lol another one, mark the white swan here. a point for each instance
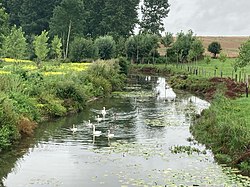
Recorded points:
(170, 95)
(89, 124)
(104, 112)
(74, 128)
(110, 135)
(98, 118)
(96, 133)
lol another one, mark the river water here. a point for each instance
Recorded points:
(152, 145)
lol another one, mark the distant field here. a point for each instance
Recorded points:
(229, 44)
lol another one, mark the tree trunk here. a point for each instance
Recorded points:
(67, 45)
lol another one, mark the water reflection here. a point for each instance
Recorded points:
(145, 125)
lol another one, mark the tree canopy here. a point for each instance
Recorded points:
(153, 12)
(214, 48)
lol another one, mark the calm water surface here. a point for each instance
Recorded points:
(146, 124)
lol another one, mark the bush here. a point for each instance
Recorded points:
(82, 49)
(8, 123)
(106, 47)
(51, 106)
(25, 106)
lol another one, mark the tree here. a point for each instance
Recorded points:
(14, 45)
(41, 46)
(111, 17)
(167, 40)
(153, 13)
(244, 55)
(196, 50)
(56, 47)
(4, 25)
(13, 8)
(68, 21)
(214, 48)
(106, 47)
(141, 46)
(32, 15)
(181, 47)
(82, 50)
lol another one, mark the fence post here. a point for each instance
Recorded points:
(247, 86)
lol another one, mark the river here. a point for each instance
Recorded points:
(152, 145)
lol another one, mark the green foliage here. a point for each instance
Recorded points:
(14, 44)
(153, 13)
(105, 76)
(111, 17)
(8, 122)
(168, 39)
(69, 13)
(182, 46)
(51, 106)
(34, 16)
(196, 50)
(82, 49)
(41, 46)
(56, 47)
(25, 106)
(4, 25)
(244, 55)
(224, 128)
(214, 48)
(141, 46)
(124, 64)
(106, 47)
(223, 57)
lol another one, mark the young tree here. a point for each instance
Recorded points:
(106, 47)
(196, 50)
(14, 45)
(244, 55)
(167, 40)
(214, 48)
(153, 12)
(141, 46)
(56, 47)
(41, 46)
(182, 46)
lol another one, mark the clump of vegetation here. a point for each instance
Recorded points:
(224, 128)
(186, 149)
(28, 97)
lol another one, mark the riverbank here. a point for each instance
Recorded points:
(29, 96)
(224, 127)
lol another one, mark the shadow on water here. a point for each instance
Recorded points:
(150, 146)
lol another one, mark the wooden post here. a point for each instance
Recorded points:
(247, 87)
(215, 72)
(221, 73)
(235, 77)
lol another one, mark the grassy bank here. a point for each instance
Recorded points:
(225, 126)
(29, 94)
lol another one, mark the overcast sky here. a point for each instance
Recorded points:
(209, 17)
